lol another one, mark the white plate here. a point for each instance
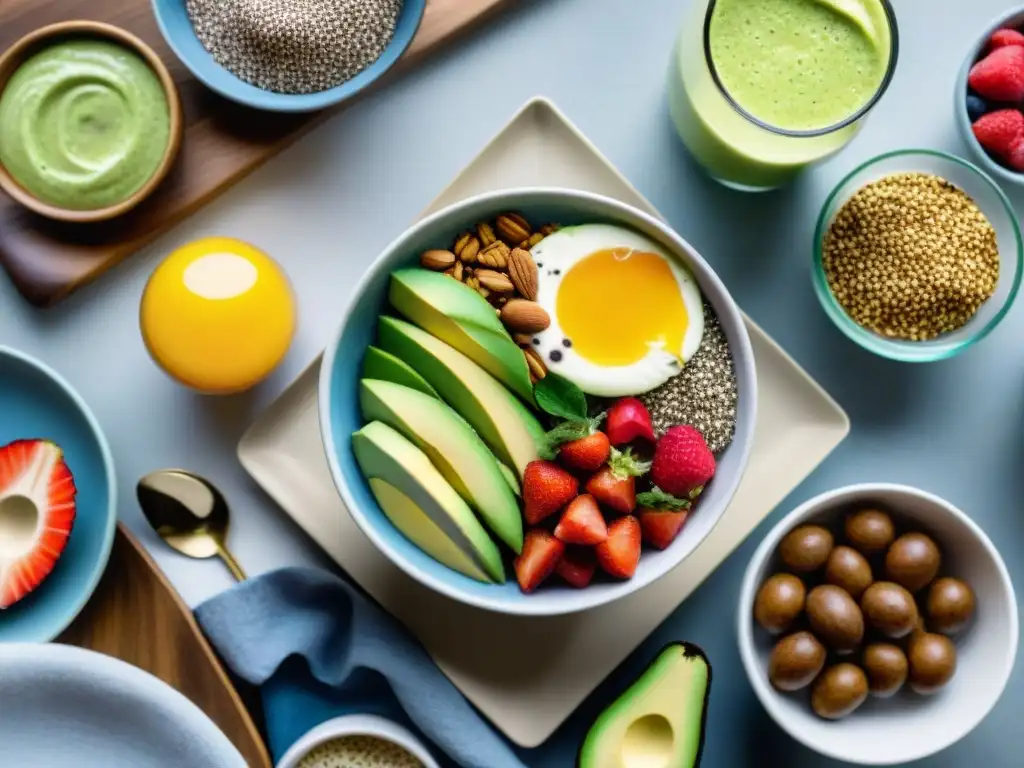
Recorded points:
(492, 658)
(65, 707)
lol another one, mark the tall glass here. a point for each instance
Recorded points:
(733, 145)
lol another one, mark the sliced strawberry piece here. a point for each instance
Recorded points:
(627, 420)
(546, 489)
(586, 454)
(660, 527)
(616, 493)
(1004, 37)
(582, 523)
(577, 566)
(37, 512)
(620, 554)
(540, 555)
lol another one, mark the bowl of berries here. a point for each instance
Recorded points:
(538, 418)
(989, 98)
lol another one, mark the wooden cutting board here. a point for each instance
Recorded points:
(223, 142)
(136, 615)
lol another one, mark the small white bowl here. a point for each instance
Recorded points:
(357, 725)
(907, 727)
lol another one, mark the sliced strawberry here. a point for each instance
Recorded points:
(37, 511)
(620, 554)
(586, 454)
(1004, 37)
(616, 493)
(627, 420)
(582, 523)
(660, 527)
(577, 566)
(546, 489)
(540, 555)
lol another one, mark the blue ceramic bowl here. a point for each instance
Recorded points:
(176, 27)
(35, 402)
(340, 417)
(1015, 19)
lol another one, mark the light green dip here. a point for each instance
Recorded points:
(83, 124)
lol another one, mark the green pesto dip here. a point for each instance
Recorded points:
(84, 124)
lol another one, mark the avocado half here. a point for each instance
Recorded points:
(659, 719)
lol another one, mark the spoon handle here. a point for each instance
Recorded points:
(231, 563)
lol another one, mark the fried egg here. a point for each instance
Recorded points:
(625, 314)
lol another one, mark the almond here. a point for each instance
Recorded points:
(437, 260)
(494, 281)
(467, 247)
(531, 241)
(534, 362)
(522, 271)
(512, 228)
(494, 255)
(523, 316)
(522, 339)
(485, 232)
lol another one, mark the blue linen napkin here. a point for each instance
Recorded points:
(318, 649)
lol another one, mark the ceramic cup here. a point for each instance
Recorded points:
(357, 725)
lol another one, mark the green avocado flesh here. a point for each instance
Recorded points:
(498, 416)
(454, 448)
(378, 364)
(461, 317)
(659, 720)
(422, 504)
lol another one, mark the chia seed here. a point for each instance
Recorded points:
(555, 356)
(703, 394)
(294, 46)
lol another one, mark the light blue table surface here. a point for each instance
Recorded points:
(327, 206)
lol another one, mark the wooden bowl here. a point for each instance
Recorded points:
(16, 55)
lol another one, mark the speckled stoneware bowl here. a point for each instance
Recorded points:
(340, 416)
(1015, 19)
(906, 727)
(357, 725)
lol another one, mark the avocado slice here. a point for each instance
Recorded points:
(510, 478)
(383, 453)
(461, 317)
(498, 416)
(453, 447)
(378, 364)
(659, 720)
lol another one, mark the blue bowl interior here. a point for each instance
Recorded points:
(339, 391)
(35, 404)
(176, 27)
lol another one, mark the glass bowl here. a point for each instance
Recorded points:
(992, 202)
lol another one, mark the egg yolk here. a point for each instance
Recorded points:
(614, 305)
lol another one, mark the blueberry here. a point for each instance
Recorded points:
(976, 107)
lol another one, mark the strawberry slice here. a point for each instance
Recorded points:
(540, 556)
(614, 486)
(577, 567)
(582, 523)
(546, 489)
(620, 554)
(628, 419)
(37, 512)
(661, 526)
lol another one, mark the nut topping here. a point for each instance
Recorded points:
(467, 247)
(523, 316)
(494, 255)
(437, 260)
(522, 271)
(512, 228)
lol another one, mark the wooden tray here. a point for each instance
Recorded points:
(135, 615)
(223, 142)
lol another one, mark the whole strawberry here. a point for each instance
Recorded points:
(546, 489)
(683, 463)
(586, 454)
(627, 420)
(1000, 75)
(1000, 131)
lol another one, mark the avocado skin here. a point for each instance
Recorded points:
(690, 650)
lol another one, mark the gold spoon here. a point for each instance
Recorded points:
(188, 513)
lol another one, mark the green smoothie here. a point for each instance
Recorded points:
(792, 65)
(83, 124)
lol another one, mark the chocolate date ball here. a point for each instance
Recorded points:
(869, 531)
(912, 561)
(889, 608)
(950, 605)
(932, 660)
(835, 618)
(795, 661)
(806, 548)
(886, 667)
(847, 568)
(839, 691)
(779, 601)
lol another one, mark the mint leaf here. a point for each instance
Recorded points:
(658, 499)
(560, 397)
(624, 464)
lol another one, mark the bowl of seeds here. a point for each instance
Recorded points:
(917, 255)
(288, 56)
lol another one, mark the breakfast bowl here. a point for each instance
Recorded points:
(375, 340)
(989, 200)
(179, 31)
(123, 104)
(903, 719)
(962, 115)
(357, 736)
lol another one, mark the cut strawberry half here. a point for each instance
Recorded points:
(37, 511)
(541, 553)
(577, 566)
(660, 527)
(582, 522)
(619, 555)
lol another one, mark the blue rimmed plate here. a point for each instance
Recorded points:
(35, 402)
